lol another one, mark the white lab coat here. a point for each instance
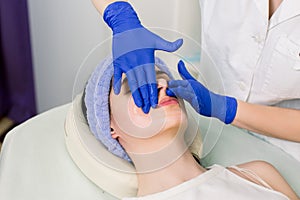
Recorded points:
(258, 60)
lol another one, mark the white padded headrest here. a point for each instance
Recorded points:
(93, 159)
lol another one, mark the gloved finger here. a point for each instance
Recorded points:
(184, 72)
(152, 85)
(180, 88)
(162, 44)
(146, 100)
(134, 88)
(178, 83)
(183, 93)
(170, 93)
(141, 77)
(153, 94)
(146, 105)
(117, 79)
(146, 108)
(187, 95)
(137, 98)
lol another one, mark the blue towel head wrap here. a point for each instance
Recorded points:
(96, 101)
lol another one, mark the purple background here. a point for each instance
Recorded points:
(17, 96)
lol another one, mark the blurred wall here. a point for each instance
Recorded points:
(63, 32)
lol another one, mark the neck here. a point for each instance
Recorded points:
(273, 5)
(182, 170)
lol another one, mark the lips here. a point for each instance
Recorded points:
(167, 101)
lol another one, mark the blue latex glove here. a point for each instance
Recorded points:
(133, 53)
(202, 100)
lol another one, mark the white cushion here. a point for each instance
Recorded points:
(35, 164)
(109, 172)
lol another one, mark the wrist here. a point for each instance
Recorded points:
(223, 107)
(231, 109)
(120, 16)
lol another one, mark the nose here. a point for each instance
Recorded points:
(162, 85)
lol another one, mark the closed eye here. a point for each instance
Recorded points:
(159, 74)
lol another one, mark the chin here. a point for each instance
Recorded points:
(176, 119)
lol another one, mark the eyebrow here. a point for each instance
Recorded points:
(125, 80)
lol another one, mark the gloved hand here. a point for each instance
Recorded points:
(133, 53)
(202, 100)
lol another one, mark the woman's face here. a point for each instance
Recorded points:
(136, 130)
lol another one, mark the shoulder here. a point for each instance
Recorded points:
(261, 168)
(259, 172)
(265, 172)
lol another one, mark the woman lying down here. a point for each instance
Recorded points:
(155, 145)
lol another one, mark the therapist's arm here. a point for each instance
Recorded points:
(102, 4)
(276, 122)
(271, 121)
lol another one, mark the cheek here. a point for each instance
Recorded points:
(137, 116)
(130, 120)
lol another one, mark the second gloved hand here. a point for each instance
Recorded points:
(133, 53)
(202, 100)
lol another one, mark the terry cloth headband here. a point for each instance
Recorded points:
(97, 105)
